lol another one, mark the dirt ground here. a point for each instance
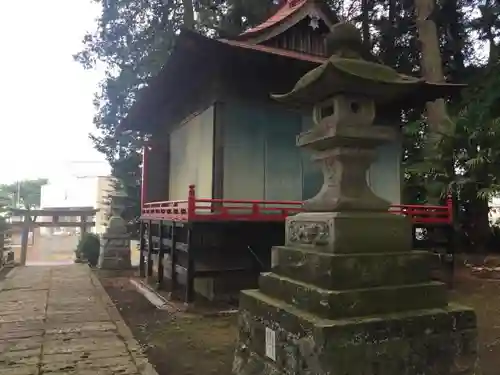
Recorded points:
(177, 343)
(180, 343)
(484, 296)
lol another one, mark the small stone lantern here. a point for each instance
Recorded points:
(115, 242)
(347, 294)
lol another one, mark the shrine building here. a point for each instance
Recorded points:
(214, 125)
(222, 170)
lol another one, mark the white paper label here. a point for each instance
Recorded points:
(274, 257)
(271, 344)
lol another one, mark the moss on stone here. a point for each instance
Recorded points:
(371, 71)
(345, 271)
(431, 341)
(353, 302)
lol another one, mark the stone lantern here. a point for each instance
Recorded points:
(347, 295)
(115, 242)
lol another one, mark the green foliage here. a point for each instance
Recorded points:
(466, 159)
(26, 193)
(88, 249)
(468, 153)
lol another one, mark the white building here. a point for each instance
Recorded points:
(79, 192)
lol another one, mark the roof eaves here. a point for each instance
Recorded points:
(285, 11)
(155, 91)
(149, 93)
(275, 51)
(285, 19)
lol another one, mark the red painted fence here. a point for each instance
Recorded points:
(197, 209)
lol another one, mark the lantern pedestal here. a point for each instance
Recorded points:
(277, 338)
(349, 232)
(115, 252)
(347, 295)
(115, 243)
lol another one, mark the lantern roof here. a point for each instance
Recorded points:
(346, 72)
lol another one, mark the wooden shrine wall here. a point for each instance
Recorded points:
(385, 175)
(191, 154)
(261, 160)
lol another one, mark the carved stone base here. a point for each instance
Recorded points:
(356, 314)
(349, 232)
(115, 252)
(347, 295)
(277, 339)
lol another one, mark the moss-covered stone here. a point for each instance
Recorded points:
(351, 232)
(352, 271)
(353, 302)
(430, 342)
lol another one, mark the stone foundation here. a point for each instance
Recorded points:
(336, 309)
(115, 252)
(424, 342)
(223, 288)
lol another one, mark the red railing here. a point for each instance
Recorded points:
(426, 214)
(199, 209)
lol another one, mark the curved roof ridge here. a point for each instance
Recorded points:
(287, 8)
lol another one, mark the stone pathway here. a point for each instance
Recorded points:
(59, 320)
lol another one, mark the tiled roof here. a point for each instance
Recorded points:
(288, 8)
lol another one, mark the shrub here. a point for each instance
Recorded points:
(88, 249)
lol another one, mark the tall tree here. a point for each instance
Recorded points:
(488, 26)
(25, 194)
(188, 14)
(432, 65)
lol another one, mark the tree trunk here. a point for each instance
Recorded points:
(387, 38)
(188, 14)
(479, 230)
(489, 17)
(365, 23)
(455, 38)
(493, 55)
(431, 61)
(432, 70)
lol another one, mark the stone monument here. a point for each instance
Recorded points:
(115, 242)
(347, 295)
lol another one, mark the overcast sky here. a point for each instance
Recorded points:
(46, 98)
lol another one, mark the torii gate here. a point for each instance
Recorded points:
(30, 216)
